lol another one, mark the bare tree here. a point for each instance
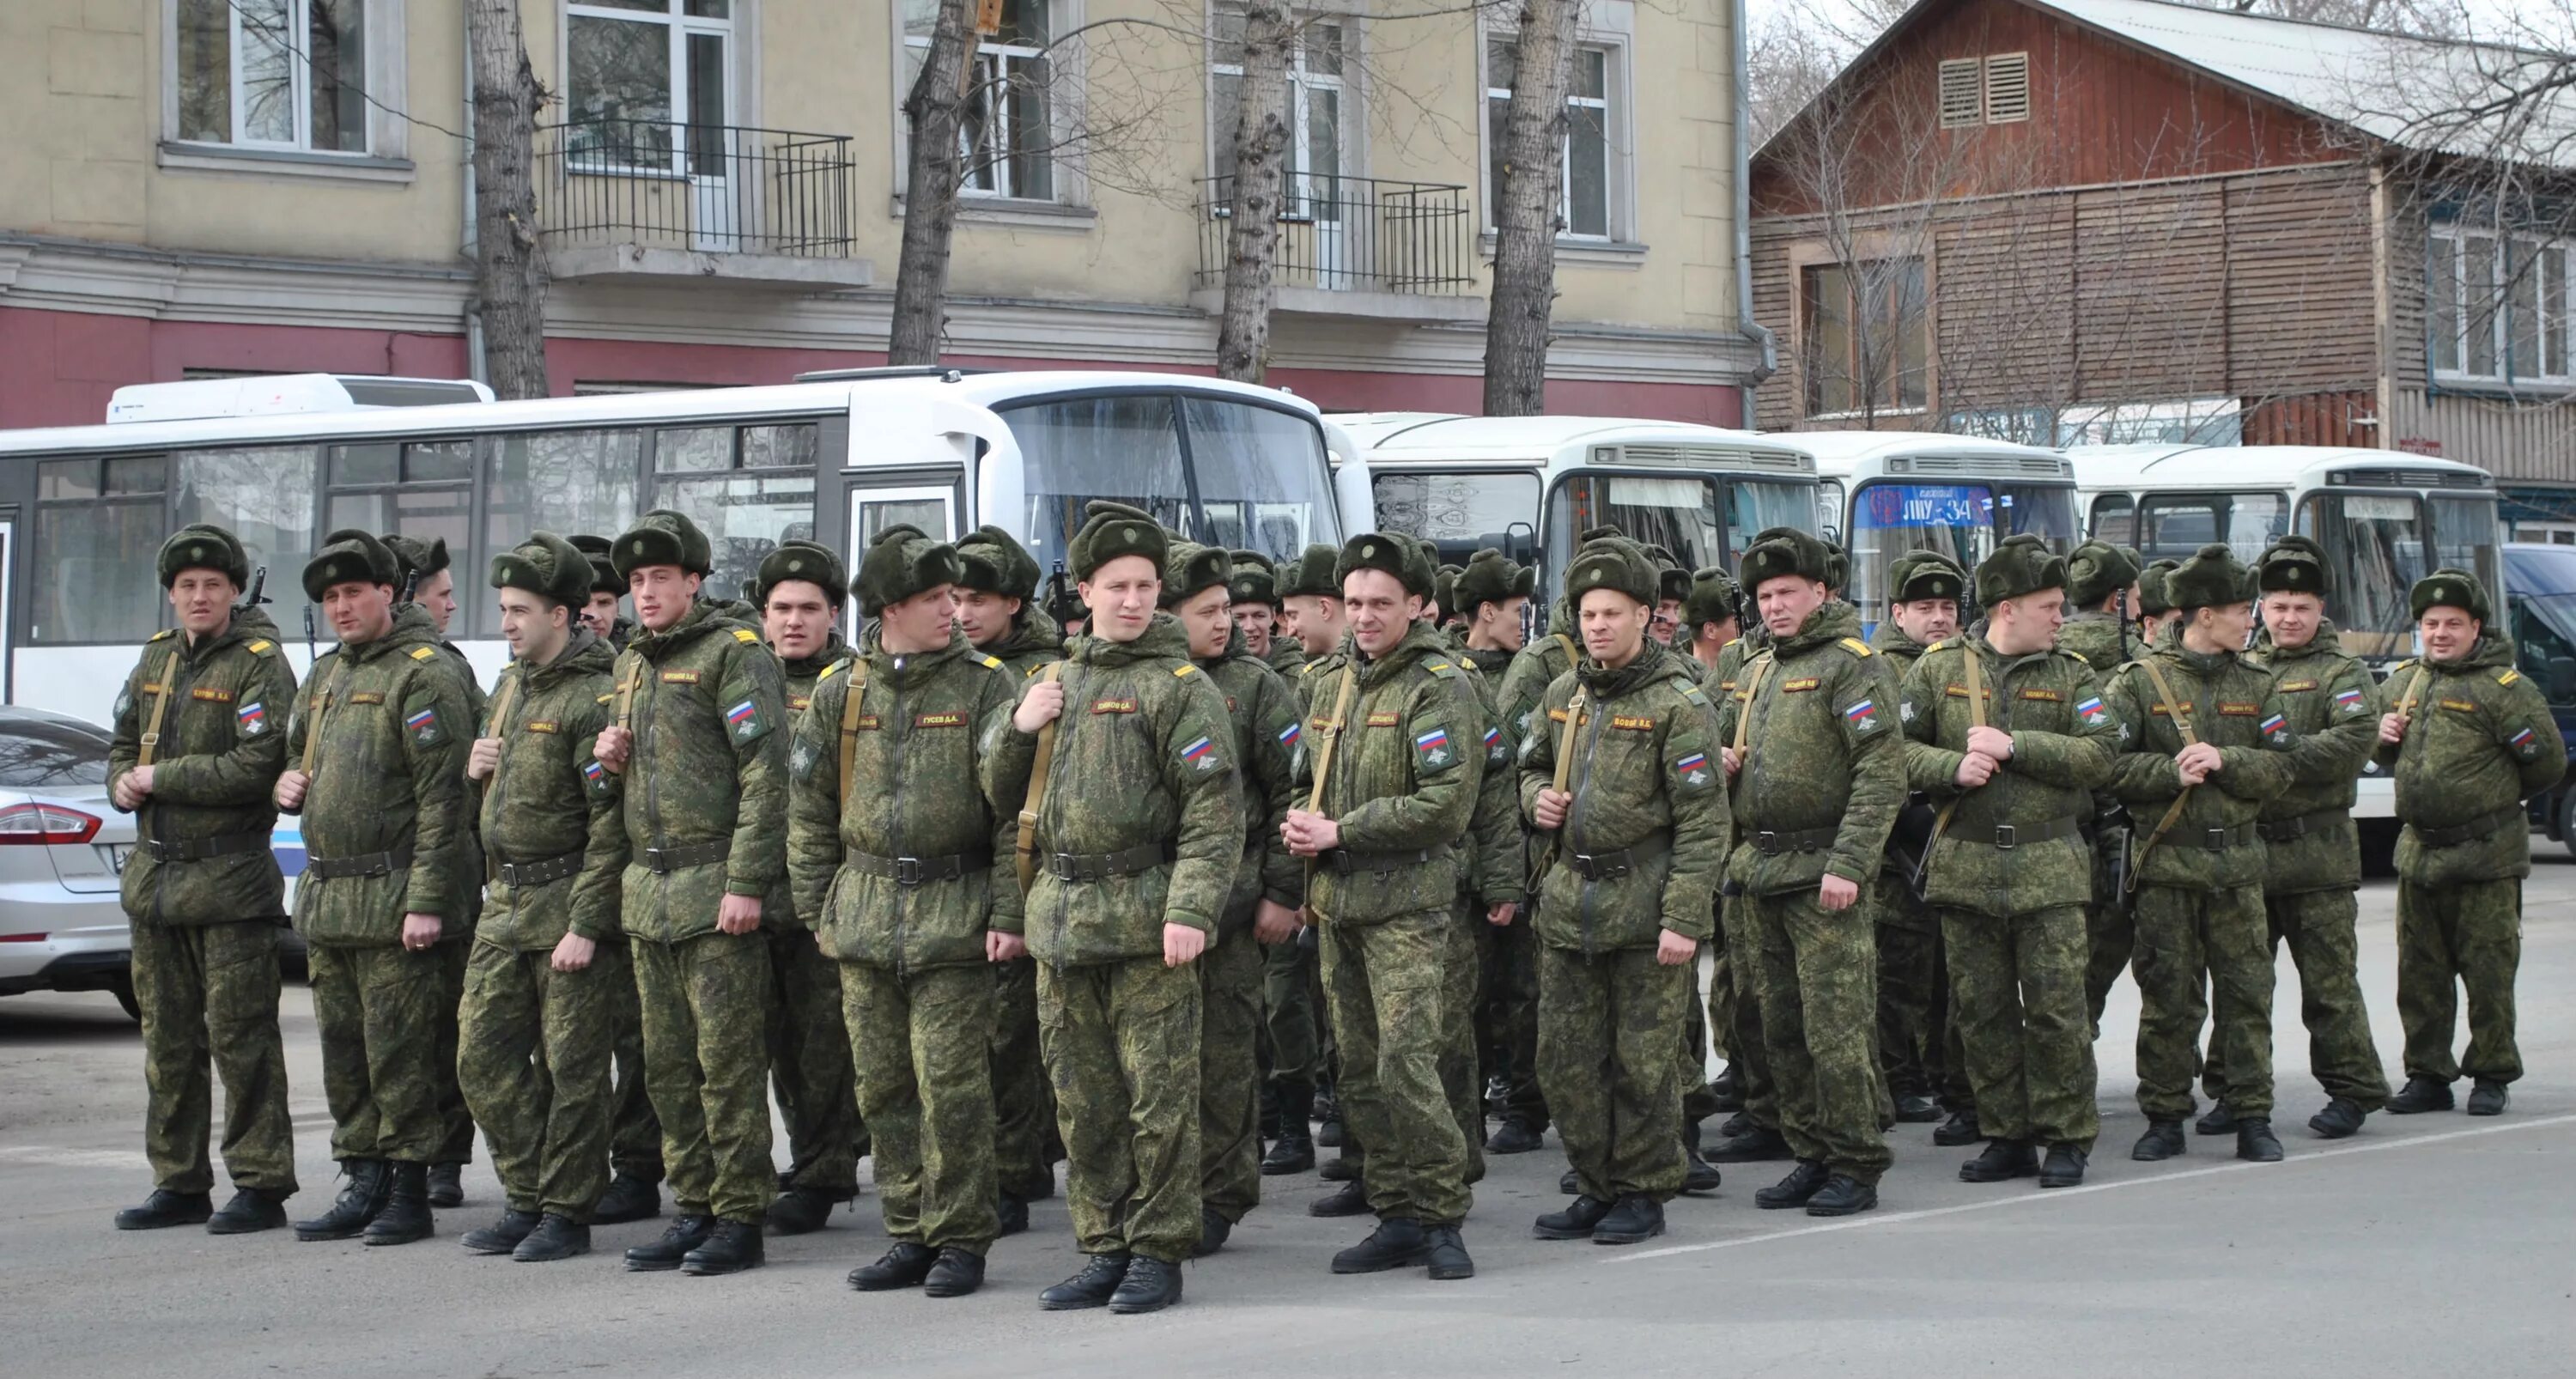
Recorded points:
(1526, 218)
(1260, 182)
(935, 169)
(510, 260)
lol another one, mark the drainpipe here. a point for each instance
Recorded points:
(477, 367)
(1745, 325)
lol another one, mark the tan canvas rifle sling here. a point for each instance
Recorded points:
(497, 726)
(1026, 858)
(1976, 719)
(1324, 752)
(1576, 712)
(850, 728)
(160, 710)
(313, 715)
(2173, 812)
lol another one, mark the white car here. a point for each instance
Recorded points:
(61, 846)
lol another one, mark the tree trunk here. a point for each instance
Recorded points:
(1260, 181)
(935, 169)
(1525, 209)
(509, 257)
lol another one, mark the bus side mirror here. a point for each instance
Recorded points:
(2560, 679)
(1520, 543)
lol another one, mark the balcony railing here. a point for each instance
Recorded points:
(722, 189)
(1352, 234)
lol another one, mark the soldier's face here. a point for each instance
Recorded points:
(1380, 609)
(202, 601)
(2292, 619)
(918, 624)
(985, 617)
(798, 619)
(1927, 620)
(662, 594)
(1668, 619)
(1255, 619)
(535, 628)
(1315, 620)
(1208, 616)
(2018, 627)
(437, 594)
(1713, 637)
(1787, 601)
(1498, 623)
(1121, 596)
(359, 611)
(601, 615)
(2222, 627)
(1614, 626)
(2448, 632)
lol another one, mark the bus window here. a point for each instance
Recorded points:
(1754, 506)
(737, 483)
(1459, 512)
(566, 482)
(1678, 514)
(2464, 536)
(424, 490)
(2115, 519)
(1262, 478)
(1124, 447)
(263, 495)
(1963, 521)
(99, 524)
(2174, 525)
(2375, 548)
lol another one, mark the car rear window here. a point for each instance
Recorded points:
(37, 754)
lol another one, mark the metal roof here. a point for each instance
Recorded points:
(2241, 468)
(1404, 435)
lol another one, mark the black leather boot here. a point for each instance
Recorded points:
(2219, 1121)
(1447, 1255)
(361, 1197)
(733, 1247)
(1013, 1213)
(1150, 1285)
(1512, 1137)
(1698, 1174)
(1328, 1130)
(2255, 1141)
(2340, 1120)
(1574, 1222)
(628, 1198)
(1914, 1108)
(1397, 1242)
(1960, 1129)
(1753, 1145)
(1092, 1287)
(2421, 1094)
(2163, 1140)
(556, 1237)
(1637, 1219)
(447, 1185)
(1293, 1149)
(1803, 1182)
(2065, 1166)
(958, 1273)
(1842, 1195)
(2487, 1097)
(1351, 1199)
(1725, 1092)
(799, 1210)
(2003, 1160)
(685, 1233)
(1214, 1231)
(502, 1236)
(167, 1208)
(406, 1215)
(1569, 1182)
(903, 1266)
(252, 1209)
(1341, 1168)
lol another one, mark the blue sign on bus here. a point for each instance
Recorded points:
(1927, 505)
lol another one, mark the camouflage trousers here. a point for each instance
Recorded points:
(1289, 1014)
(2110, 931)
(534, 1051)
(706, 1062)
(1511, 1008)
(809, 1063)
(209, 996)
(1384, 985)
(922, 1046)
(1023, 1108)
(2466, 935)
(1460, 1078)
(634, 1133)
(376, 1011)
(2019, 983)
(1122, 1052)
(1748, 1049)
(1913, 1006)
(455, 1121)
(1819, 1013)
(1605, 1051)
(2319, 928)
(2184, 938)
(1230, 980)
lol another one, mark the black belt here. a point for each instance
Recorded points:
(199, 849)
(520, 875)
(2010, 836)
(662, 861)
(2285, 830)
(1100, 866)
(919, 871)
(1345, 860)
(1777, 844)
(1610, 866)
(2215, 839)
(2471, 831)
(363, 864)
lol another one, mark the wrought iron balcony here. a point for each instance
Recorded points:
(1353, 235)
(656, 198)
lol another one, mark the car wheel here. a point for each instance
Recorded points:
(2567, 819)
(123, 987)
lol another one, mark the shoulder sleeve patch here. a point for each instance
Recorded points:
(263, 648)
(1184, 672)
(1857, 647)
(423, 653)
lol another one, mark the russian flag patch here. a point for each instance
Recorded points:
(422, 719)
(1201, 754)
(1862, 717)
(1288, 736)
(2520, 738)
(252, 717)
(2090, 710)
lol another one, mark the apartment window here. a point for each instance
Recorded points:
(1589, 198)
(1315, 94)
(1009, 135)
(1867, 337)
(2498, 307)
(272, 74)
(637, 71)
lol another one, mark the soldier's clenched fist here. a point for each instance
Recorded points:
(1043, 705)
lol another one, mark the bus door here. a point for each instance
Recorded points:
(878, 499)
(8, 601)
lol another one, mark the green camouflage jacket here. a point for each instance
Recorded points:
(2063, 744)
(1645, 780)
(2233, 708)
(620, 632)
(550, 798)
(470, 857)
(2480, 740)
(1285, 655)
(1315, 674)
(213, 772)
(1033, 641)
(915, 790)
(394, 726)
(1500, 874)
(709, 767)
(1900, 649)
(1533, 668)
(1821, 755)
(2095, 636)
(2328, 697)
(796, 678)
(1263, 712)
(1144, 757)
(1403, 780)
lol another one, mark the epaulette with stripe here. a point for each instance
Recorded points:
(1442, 669)
(1857, 647)
(263, 647)
(2508, 676)
(163, 635)
(2078, 655)
(1184, 671)
(745, 636)
(990, 662)
(423, 653)
(606, 697)
(827, 671)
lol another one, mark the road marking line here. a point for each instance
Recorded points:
(2062, 1194)
(54, 1157)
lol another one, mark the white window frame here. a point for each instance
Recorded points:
(1303, 81)
(678, 25)
(386, 95)
(2465, 299)
(1618, 122)
(1063, 90)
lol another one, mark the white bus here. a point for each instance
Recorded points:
(834, 458)
(1885, 493)
(1531, 485)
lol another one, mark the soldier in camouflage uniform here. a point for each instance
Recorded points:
(2102, 585)
(1292, 984)
(2312, 852)
(2012, 738)
(1263, 718)
(1635, 840)
(1709, 617)
(536, 1032)
(997, 607)
(799, 589)
(1534, 665)
(2156, 610)
(1494, 594)
(1913, 988)
(1398, 796)
(901, 864)
(202, 893)
(1819, 774)
(635, 1137)
(699, 741)
(1138, 833)
(2468, 738)
(377, 769)
(2195, 859)
(1253, 587)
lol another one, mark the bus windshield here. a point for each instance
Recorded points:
(1963, 521)
(2379, 544)
(1704, 520)
(1459, 511)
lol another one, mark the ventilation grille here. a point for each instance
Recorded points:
(1962, 102)
(2007, 89)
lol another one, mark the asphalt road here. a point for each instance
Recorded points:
(2428, 1245)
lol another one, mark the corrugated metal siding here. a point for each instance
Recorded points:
(2516, 443)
